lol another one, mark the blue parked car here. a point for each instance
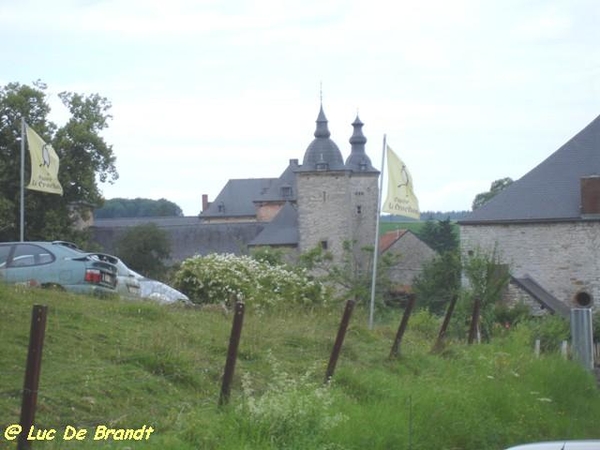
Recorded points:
(53, 264)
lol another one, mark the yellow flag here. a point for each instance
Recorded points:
(401, 199)
(44, 165)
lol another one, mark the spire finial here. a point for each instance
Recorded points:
(321, 92)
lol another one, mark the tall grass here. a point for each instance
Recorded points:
(128, 364)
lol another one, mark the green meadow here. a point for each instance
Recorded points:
(110, 364)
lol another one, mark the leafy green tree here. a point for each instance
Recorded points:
(85, 159)
(138, 207)
(439, 281)
(144, 248)
(496, 187)
(349, 277)
(269, 255)
(440, 235)
(487, 279)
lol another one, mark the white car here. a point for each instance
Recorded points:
(560, 445)
(158, 291)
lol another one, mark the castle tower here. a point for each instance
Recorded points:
(336, 201)
(364, 191)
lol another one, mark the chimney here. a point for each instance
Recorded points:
(590, 195)
(205, 203)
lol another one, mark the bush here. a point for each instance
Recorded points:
(551, 330)
(291, 411)
(225, 279)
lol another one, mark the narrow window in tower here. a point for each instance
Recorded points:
(324, 245)
(324, 196)
(358, 209)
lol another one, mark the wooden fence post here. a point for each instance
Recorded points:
(32, 373)
(403, 324)
(337, 346)
(474, 320)
(442, 334)
(234, 341)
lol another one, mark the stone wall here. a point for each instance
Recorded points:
(323, 213)
(362, 208)
(563, 257)
(334, 207)
(188, 238)
(412, 254)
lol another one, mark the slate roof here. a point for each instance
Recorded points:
(322, 150)
(285, 183)
(539, 294)
(358, 161)
(188, 236)
(282, 230)
(167, 221)
(551, 191)
(237, 197)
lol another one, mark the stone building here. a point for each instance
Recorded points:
(546, 228)
(412, 253)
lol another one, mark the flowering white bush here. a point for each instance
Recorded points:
(289, 408)
(225, 278)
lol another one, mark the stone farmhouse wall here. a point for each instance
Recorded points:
(563, 257)
(412, 255)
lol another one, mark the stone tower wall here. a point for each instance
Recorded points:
(362, 208)
(334, 207)
(322, 200)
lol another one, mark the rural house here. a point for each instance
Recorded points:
(546, 228)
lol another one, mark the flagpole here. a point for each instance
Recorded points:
(22, 215)
(376, 249)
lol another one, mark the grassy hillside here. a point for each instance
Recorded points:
(126, 364)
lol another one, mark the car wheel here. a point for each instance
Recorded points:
(53, 286)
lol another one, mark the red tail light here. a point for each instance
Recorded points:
(93, 276)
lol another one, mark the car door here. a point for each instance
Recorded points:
(5, 250)
(29, 263)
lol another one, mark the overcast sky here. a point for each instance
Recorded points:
(466, 91)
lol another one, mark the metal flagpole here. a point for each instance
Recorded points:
(376, 249)
(22, 219)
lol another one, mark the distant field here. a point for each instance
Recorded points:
(384, 227)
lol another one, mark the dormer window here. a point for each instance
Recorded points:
(221, 207)
(286, 191)
(322, 165)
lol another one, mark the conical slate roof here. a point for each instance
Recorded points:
(322, 153)
(358, 161)
(552, 190)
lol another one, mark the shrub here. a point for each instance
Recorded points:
(551, 330)
(290, 410)
(219, 278)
